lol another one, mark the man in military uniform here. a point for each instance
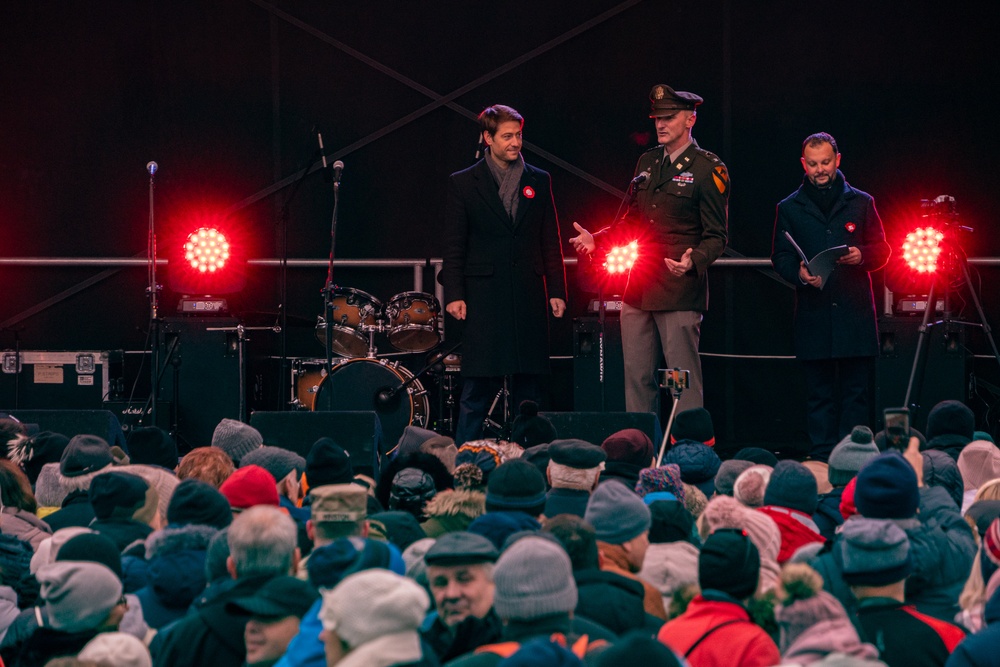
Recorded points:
(503, 270)
(679, 217)
(835, 331)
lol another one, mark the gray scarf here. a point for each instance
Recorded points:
(509, 180)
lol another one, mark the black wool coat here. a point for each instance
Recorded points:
(505, 270)
(837, 321)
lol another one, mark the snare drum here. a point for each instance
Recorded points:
(353, 310)
(413, 321)
(362, 384)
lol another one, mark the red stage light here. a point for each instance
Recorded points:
(922, 248)
(206, 250)
(621, 259)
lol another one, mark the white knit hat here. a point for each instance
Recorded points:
(373, 603)
(116, 649)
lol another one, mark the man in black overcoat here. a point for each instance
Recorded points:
(503, 270)
(835, 330)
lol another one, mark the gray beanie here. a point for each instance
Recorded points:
(617, 513)
(725, 479)
(78, 596)
(850, 455)
(534, 578)
(236, 439)
(276, 460)
(875, 552)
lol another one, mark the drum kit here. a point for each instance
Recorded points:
(362, 379)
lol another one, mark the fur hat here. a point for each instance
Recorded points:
(34, 452)
(236, 439)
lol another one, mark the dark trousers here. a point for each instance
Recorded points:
(836, 400)
(477, 397)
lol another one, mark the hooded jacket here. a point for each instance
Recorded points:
(175, 572)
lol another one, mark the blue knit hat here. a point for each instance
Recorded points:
(887, 488)
(617, 513)
(792, 486)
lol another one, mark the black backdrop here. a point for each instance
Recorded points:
(224, 95)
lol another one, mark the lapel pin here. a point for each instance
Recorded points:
(529, 192)
(850, 227)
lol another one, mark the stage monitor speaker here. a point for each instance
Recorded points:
(587, 394)
(596, 426)
(202, 376)
(102, 423)
(942, 375)
(360, 433)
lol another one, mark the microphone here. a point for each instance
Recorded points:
(151, 167)
(338, 167)
(640, 179)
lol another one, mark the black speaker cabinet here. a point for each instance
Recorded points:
(942, 374)
(357, 432)
(202, 376)
(588, 394)
(596, 426)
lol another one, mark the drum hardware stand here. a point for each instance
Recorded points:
(500, 430)
(961, 259)
(671, 381)
(388, 395)
(241, 340)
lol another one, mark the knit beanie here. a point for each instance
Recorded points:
(534, 578)
(846, 507)
(92, 548)
(729, 562)
(49, 548)
(411, 440)
(413, 559)
(249, 486)
(616, 513)
(751, 485)
(542, 651)
(197, 502)
(116, 649)
(669, 522)
(792, 486)
(78, 596)
(34, 452)
(725, 512)
(530, 428)
(328, 463)
(330, 564)
(951, 418)
(153, 446)
(850, 455)
(236, 439)
(411, 489)
(979, 462)
(443, 447)
(804, 603)
(276, 460)
(119, 495)
(629, 445)
(726, 477)
(698, 463)
(371, 604)
(665, 478)
(757, 455)
(84, 454)
(873, 552)
(694, 424)
(887, 488)
(516, 485)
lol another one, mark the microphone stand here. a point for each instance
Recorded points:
(329, 287)
(152, 291)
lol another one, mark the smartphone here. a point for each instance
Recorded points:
(897, 427)
(674, 378)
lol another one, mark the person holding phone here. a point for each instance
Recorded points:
(835, 329)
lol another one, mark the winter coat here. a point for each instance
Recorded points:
(25, 526)
(45, 644)
(614, 601)
(615, 560)
(175, 572)
(15, 564)
(123, 532)
(211, 635)
(451, 643)
(566, 501)
(626, 473)
(826, 637)
(827, 515)
(951, 444)
(903, 636)
(75, 511)
(519, 632)
(981, 649)
(8, 608)
(797, 530)
(739, 642)
(670, 567)
(941, 470)
(306, 649)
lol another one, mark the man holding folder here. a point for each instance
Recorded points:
(835, 331)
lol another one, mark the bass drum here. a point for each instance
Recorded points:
(365, 384)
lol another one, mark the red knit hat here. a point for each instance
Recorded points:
(847, 508)
(249, 486)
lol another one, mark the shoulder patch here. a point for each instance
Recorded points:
(721, 178)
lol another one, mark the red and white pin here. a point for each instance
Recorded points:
(529, 192)
(850, 227)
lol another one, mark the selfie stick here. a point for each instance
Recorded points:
(677, 389)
